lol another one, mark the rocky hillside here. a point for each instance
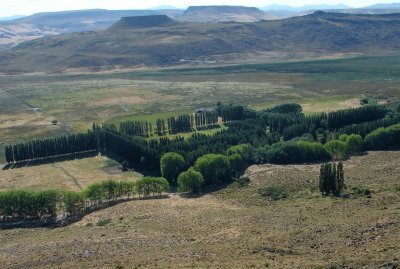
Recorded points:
(13, 32)
(127, 45)
(140, 22)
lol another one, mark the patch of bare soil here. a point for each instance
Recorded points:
(351, 103)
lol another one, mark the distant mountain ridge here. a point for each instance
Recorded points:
(383, 6)
(15, 31)
(223, 13)
(304, 8)
(167, 42)
(140, 22)
(9, 18)
(54, 23)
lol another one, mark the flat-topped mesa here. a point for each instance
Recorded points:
(143, 22)
(222, 9)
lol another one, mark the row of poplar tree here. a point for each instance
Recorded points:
(47, 205)
(182, 123)
(58, 146)
(259, 129)
(331, 179)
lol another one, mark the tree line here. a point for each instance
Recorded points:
(172, 125)
(383, 138)
(282, 134)
(279, 135)
(45, 148)
(16, 205)
(367, 127)
(340, 118)
(136, 128)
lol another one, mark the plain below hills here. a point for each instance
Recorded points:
(161, 41)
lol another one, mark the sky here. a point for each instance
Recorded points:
(28, 7)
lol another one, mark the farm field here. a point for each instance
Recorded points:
(28, 103)
(67, 175)
(235, 227)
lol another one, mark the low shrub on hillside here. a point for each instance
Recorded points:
(274, 193)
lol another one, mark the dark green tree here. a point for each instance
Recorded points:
(331, 179)
(214, 168)
(171, 165)
(354, 144)
(152, 186)
(336, 148)
(339, 178)
(190, 181)
(237, 164)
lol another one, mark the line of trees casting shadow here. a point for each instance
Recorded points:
(54, 159)
(279, 135)
(57, 208)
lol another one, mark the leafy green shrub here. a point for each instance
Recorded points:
(275, 193)
(103, 222)
(360, 191)
(354, 144)
(190, 181)
(109, 191)
(28, 204)
(237, 164)
(148, 186)
(244, 150)
(242, 182)
(214, 168)
(336, 148)
(383, 138)
(171, 165)
(297, 152)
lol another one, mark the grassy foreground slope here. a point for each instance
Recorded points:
(233, 228)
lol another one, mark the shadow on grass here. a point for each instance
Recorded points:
(61, 221)
(132, 166)
(69, 157)
(207, 190)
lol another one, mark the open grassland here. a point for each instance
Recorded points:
(234, 227)
(68, 175)
(28, 103)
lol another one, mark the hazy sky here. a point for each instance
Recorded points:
(27, 7)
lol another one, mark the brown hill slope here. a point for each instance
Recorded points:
(39, 25)
(13, 32)
(175, 43)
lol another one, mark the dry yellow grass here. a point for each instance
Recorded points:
(328, 105)
(68, 175)
(232, 228)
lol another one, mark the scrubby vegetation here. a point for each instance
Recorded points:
(279, 135)
(275, 193)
